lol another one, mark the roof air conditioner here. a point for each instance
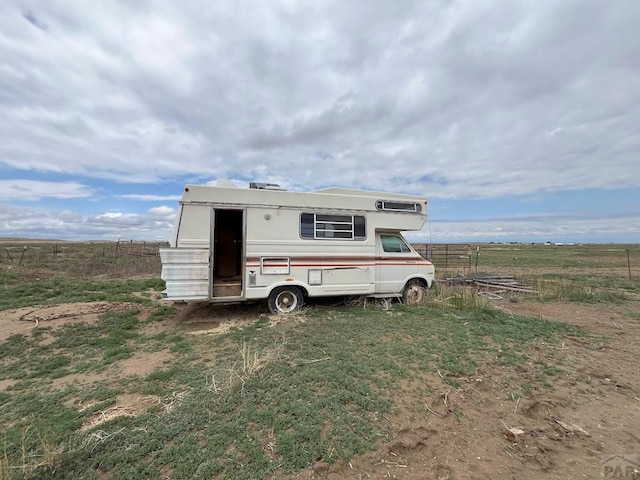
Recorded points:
(266, 186)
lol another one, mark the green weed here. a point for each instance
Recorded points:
(67, 291)
(273, 400)
(160, 313)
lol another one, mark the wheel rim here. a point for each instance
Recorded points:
(286, 302)
(415, 295)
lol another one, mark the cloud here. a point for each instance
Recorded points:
(150, 197)
(30, 17)
(157, 222)
(163, 212)
(32, 190)
(452, 99)
(541, 228)
(73, 225)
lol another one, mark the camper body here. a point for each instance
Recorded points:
(238, 244)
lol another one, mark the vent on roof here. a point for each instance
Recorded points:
(266, 186)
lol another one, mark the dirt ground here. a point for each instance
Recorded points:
(484, 429)
(590, 414)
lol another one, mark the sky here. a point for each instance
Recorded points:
(519, 120)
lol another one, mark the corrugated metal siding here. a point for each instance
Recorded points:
(186, 273)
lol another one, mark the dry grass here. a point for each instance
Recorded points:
(451, 297)
(252, 361)
(255, 360)
(36, 451)
(553, 289)
(565, 289)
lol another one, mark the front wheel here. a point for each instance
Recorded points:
(414, 293)
(285, 300)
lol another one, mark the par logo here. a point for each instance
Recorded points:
(621, 466)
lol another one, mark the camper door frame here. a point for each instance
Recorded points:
(212, 238)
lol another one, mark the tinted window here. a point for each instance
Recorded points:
(359, 227)
(306, 225)
(393, 244)
(334, 218)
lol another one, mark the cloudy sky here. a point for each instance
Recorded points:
(520, 120)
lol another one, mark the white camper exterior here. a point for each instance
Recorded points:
(238, 244)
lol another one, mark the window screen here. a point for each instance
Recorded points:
(341, 227)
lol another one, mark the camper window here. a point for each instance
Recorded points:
(341, 227)
(393, 244)
(385, 205)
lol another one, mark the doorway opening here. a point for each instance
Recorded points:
(227, 253)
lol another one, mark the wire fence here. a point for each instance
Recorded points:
(137, 248)
(447, 255)
(616, 259)
(43, 252)
(82, 259)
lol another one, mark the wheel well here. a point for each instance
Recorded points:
(302, 289)
(421, 281)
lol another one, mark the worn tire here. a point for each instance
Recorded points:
(284, 300)
(414, 293)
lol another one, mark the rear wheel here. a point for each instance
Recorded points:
(284, 300)
(414, 293)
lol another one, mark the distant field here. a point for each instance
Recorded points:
(612, 264)
(600, 256)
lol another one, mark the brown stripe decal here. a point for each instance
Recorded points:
(355, 262)
(322, 258)
(317, 258)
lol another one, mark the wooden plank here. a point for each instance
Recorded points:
(505, 287)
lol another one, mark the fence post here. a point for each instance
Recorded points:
(477, 255)
(628, 264)
(24, 249)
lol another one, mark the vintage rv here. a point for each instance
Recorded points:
(239, 244)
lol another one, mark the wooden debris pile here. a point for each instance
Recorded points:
(492, 284)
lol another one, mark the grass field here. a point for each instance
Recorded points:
(133, 390)
(583, 273)
(597, 256)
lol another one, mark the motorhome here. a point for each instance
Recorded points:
(240, 244)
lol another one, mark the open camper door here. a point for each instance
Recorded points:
(227, 253)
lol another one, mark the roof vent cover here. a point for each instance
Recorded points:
(266, 186)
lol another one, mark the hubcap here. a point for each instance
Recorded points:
(286, 302)
(415, 295)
